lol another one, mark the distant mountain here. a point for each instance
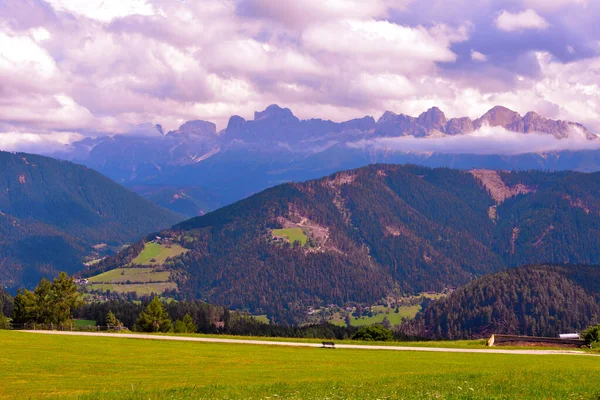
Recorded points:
(536, 300)
(276, 147)
(384, 229)
(52, 213)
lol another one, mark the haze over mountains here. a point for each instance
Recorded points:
(195, 168)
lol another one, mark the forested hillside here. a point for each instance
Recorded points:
(360, 235)
(537, 300)
(52, 213)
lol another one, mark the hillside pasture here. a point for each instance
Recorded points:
(123, 275)
(76, 367)
(157, 254)
(142, 289)
(291, 235)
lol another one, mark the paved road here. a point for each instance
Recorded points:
(300, 344)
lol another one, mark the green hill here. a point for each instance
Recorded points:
(381, 230)
(534, 300)
(52, 213)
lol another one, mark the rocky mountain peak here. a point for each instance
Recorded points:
(433, 118)
(276, 112)
(196, 128)
(498, 116)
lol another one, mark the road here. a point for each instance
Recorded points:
(314, 345)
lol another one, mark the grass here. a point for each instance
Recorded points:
(292, 235)
(395, 319)
(380, 312)
(39, 366)
(84, 322)
(142, 289)
(148, 280)
(122, 275)
(157, 252)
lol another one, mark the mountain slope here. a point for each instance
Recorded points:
(52, 212)
(533, 300)
(380, 230)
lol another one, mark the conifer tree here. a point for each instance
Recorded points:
(154, 318)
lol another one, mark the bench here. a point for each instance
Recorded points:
(328, 345)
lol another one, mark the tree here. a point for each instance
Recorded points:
(154, 318)
(386, 323)
(373, 333)
(4, 321)
(186, 325)
(592, 335)
(49, 303)
(112, 321)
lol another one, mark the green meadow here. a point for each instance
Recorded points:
(43, 366)
(155, 253)
(142, 289)
(122, 275)
(292, 235)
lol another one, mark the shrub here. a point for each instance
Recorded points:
(592, 335)
(375, 333)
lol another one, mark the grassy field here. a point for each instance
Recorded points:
(39, 366)
(157, 252)
(292, 234)
(148, 280)
(122, 275)
(380, 312)
(394, 318)
(84, 322)
(141, 289)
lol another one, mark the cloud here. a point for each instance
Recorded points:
(553, 5)
(527, 19)
(485, 141)
(107, 65)
(477, 56)
(35, 142)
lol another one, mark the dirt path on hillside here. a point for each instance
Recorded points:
(314, 345)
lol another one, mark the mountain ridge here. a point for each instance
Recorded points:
(52, 212)
(375, 230)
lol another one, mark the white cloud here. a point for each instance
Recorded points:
(380, 45)
(553, 5)
(103, 10)
(527, 19)
(477, 56)
(485, 141)
(36, 142)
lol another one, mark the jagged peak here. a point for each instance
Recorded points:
(433, 116)
(197, 127)
(274, 111)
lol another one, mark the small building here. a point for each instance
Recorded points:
(569, 336)
(534, 341)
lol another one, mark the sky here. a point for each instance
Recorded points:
(73, 68)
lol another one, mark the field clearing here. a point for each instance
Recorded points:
(394, 318)
(157, 252)
(122, 275)
(141, 289)
(84, 322)
(107, 368)
(292, 235)
(408, 312)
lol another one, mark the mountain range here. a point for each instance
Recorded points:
(55, 213)
(196, 169)
(361, 235)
